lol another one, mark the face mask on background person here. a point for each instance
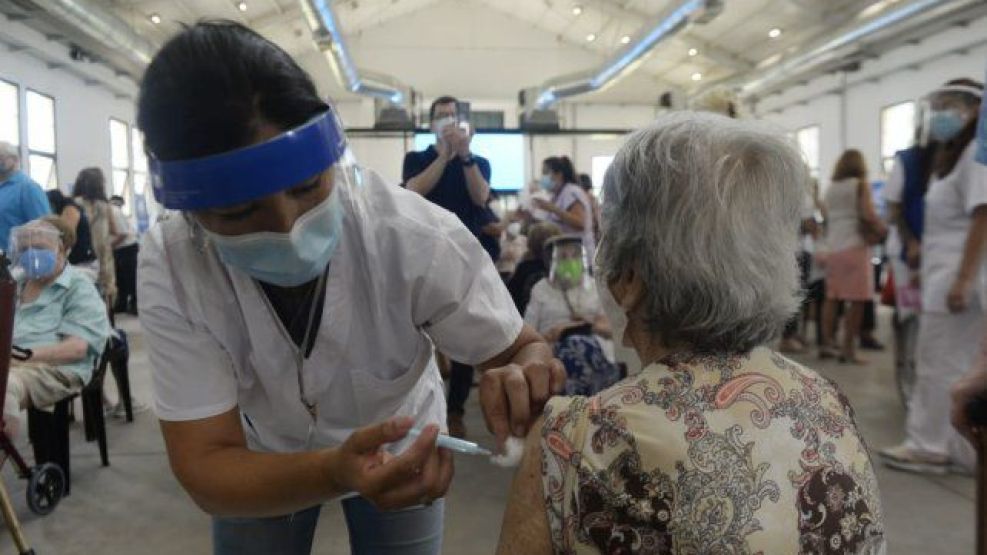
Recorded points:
(38, 263)
(286, 259)
(569, 272)
(944, 125)
(546, 183)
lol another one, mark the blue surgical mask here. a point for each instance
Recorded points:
(286, 259)
(546, 183)
(38, 263)
(946, 124)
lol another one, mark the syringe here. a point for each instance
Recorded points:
(454, 444)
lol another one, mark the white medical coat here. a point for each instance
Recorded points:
(949, 205)
(406, 274)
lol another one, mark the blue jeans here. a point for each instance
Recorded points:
(415, 531)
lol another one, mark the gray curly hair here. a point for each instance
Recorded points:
(706, 210)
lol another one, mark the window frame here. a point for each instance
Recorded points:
(26, 139)
(127, 168)
(814, 171)
(887, 161)
(19, 119)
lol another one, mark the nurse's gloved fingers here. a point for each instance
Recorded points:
(408, 465)
(539, 383)
(493, 401)
(558, 376)
(437, 474)
(410, 484)
(446, 471)
(369, 439)
(519, 397)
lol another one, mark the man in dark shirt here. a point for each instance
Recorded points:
(451, 176)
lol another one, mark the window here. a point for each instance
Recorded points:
(139, 169)
(10, 129)
(598, 169)
(808, 141)
(120, 157)
(897, 131)
(41, 161)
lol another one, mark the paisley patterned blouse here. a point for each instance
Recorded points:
(710, 454)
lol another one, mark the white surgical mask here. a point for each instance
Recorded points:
(286, 259)
(615, 313)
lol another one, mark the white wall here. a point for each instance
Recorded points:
(849, 117)
(82, 112)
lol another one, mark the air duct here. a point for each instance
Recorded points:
(103, 27)
(329, 37)
(844, 44)
(627, 59)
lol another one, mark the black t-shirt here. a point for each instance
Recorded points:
(490, 243)
(292, 305)
(451, 192)
(526, 275)
(83, 251)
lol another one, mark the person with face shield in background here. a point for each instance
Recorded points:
(290, 304)
(565, 308)
(951, 324)
(60, 325)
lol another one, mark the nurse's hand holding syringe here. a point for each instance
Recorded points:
(418, 476)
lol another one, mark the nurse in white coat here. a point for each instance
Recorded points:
(952, 322)
(290, 306)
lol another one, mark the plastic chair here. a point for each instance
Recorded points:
(49, 431)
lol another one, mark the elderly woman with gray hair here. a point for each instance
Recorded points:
(719, 444)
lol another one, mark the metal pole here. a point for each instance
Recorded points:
(14, 525)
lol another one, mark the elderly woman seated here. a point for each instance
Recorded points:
(60, 326)
(719, 445)
(565, 309)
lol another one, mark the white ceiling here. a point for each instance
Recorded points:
(490, 49)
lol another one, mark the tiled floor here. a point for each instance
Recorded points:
(136, 506)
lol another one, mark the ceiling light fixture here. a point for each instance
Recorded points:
(242, 6)
(693, 52)
(774, 33)
(155, 18)
(577, 9)
(697, 76)
(590, 37)
(625, 39)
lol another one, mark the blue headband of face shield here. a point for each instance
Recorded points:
(252, 172)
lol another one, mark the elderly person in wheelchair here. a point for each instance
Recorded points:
(719, 444)
(60, 326)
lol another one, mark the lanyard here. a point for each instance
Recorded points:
(299, 352)
(310, 406)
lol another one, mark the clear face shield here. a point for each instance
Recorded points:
(34, 250)
(239, 177)
(945, 112)
(569, 267)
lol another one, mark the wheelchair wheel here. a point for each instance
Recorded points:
(45, 488)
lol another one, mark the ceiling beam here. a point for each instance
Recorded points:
(581, 45)
(717, 54)
(385, 15)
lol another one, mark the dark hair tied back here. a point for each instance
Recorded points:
(209, 87)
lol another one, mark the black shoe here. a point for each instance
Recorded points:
(871, 344)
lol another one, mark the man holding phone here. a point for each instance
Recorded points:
(451, 176)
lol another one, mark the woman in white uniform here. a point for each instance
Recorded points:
(291, 306)
(952, 320)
